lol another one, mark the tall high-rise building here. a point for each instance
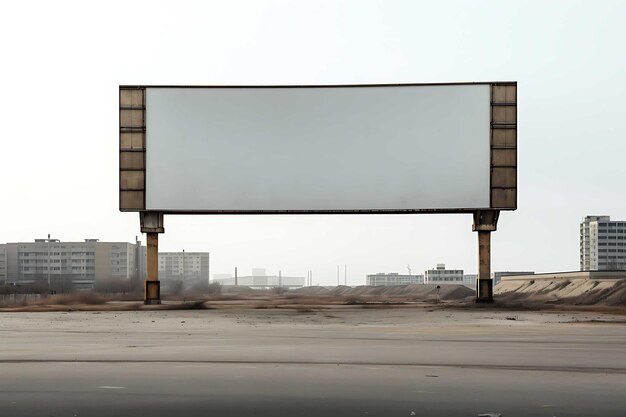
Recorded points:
(602, 244)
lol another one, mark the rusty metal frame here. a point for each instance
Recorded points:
(496, 203)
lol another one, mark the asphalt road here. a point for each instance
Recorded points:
(397, 362)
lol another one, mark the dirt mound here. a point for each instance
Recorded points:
(414, 292)
(585, 292)
(618, 295)
(312, 291)
(456, 292)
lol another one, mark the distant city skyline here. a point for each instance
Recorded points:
(59, 118)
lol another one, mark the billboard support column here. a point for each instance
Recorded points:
(485, 222)
(152, 225)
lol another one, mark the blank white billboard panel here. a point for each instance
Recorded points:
(317, 149)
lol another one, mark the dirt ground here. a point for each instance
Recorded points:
(608, 297)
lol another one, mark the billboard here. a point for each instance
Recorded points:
(318, 149)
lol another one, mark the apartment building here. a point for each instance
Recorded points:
(66, 266)
(184, 269)
(602, 244)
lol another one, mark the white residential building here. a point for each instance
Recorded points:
(602, 244)
(393, 278)
(186, 268)
(441, 275)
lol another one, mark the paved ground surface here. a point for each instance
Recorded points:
(335, 362)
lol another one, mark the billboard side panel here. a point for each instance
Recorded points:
(504, 146)
(382, 148)
(132, 163)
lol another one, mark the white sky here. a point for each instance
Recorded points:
(61, 64)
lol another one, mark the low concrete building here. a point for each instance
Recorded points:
(441, 275)
(393, 278)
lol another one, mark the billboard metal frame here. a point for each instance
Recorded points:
(503, 153)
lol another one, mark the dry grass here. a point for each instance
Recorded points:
(360, 297)
(73, 299)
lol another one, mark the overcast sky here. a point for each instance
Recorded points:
(62, 62)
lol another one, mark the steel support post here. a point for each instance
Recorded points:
(485, 222)
(152, 225)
